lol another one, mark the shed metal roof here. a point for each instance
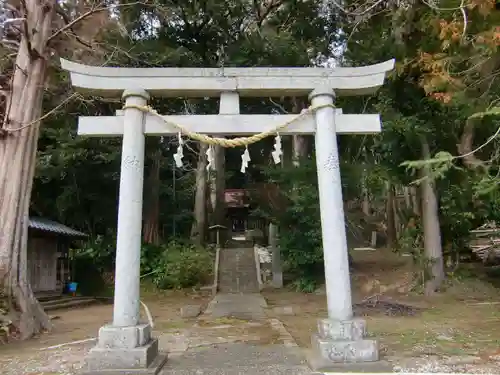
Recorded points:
(47, 225)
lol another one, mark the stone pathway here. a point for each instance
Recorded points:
(239, 306)
(234, 337)
(238, 359)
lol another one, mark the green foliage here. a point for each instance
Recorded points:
(299, 223)
(177, 265)
(100, 249)
(306, 283)
(457, 219)
(300, 238)
(411, 242)
(492, 112)
(436, 167)
(173, 265)
(91, 262)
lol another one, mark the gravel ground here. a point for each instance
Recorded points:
(455, 364)
(69, 360)
(64, 361)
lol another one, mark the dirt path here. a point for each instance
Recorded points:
(184, 338)
(28, 358)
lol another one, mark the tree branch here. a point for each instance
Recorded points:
(11, 44)
(465, 146)
(98, 9)
(25, 28)
(66, 19)
(70, 25)
(264, 12)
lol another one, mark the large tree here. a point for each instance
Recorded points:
(17, 158)
(34, 29)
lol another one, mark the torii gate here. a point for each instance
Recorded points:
(127, 344)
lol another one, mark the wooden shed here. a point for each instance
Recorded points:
(48, 255)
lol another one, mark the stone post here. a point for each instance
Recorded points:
(276, 256)
(126, 346)
(338, 283)
(128, 243)
(340, 338)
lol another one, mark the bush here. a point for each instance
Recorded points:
(177, 265)
(298, 216)
(174, 265)
(93, 260)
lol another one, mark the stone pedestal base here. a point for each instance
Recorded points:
(124, 350)
(321, 367)
(340, 343)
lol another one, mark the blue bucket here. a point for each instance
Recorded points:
(72, 287)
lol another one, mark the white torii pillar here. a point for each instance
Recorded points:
(340, 337)
(128, 244)
(128, 344)
(337, 280)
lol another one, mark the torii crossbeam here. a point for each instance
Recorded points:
(221, 125)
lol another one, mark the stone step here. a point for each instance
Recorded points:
(235, 287)
(225, 288)
(77, 302)
(61, 299)
(240, 280)
(237, 272)
(47, 296)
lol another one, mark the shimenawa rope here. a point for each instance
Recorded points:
(224, 142)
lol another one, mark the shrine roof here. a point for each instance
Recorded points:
(46, 225)
(236, 198)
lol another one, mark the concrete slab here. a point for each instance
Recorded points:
(237, 359)
(153, 369)
(318, 364)
(239, 306)
(173, 343)
(110, 358)
(379, 367)
(190, 311)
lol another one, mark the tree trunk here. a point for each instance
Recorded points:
(217, 186)
(391, 220)
(415, 201)
(365, 204)
(276, 265)
(432, 232)
(396, 207)
(406, 192)
(199, 229)
(17, 166)
(299, 142)
(287, 147)
(151, 232)
(465, 146)
(299, 145)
